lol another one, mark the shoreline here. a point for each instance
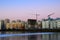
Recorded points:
(34, 30)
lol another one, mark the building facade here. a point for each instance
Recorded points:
(49, 23)
(58, 23)
(0, 24)
(45, 24)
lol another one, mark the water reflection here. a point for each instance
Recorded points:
(55, 36)
(2, 32)
(32, 37)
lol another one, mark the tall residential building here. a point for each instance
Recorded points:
(39, 24)
(13, 24)
(8, 26)
(57, 22)
(32, 23)
(2, 25)
(21, 24)
(49, 23)
(18, 20)
(45, 24)
(7, 20)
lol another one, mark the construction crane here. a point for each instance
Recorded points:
(36, 15)
(50, 15)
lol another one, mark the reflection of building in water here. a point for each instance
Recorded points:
(39, 37)
(45, 37)
(4, 38)
(50, 37)
(54, 36)
(32, 37)
(35, 37)
(14, 38)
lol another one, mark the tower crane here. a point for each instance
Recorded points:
(36, 15)
(50, 15)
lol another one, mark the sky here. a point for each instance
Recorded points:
(26, 9)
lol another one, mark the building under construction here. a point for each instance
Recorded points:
(32, 23)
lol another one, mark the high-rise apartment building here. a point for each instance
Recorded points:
(2, 25)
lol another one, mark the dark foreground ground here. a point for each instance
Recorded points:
(34, 30)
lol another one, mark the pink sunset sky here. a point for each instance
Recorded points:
(26, 9)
